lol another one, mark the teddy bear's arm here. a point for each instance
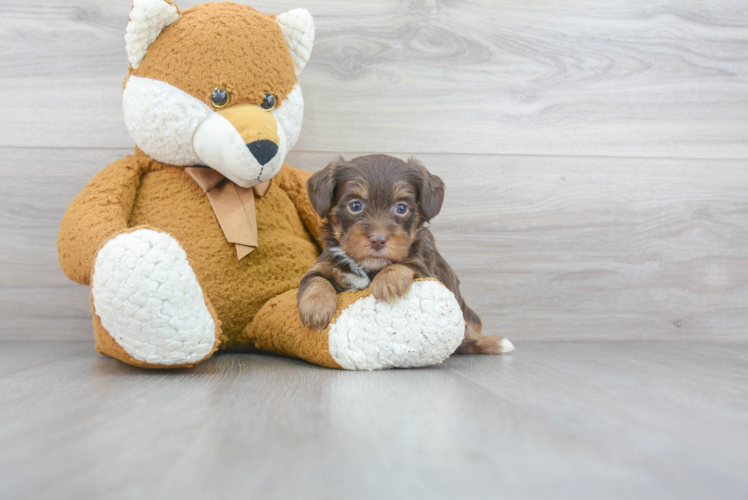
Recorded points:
(293, 182)
(99, 212)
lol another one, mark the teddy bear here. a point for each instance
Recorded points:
(198, 240)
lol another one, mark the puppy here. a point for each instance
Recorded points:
(374, 211)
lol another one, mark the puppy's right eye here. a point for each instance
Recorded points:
(355, 206)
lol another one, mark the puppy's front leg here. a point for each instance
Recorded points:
(317, 301)
(392, 282)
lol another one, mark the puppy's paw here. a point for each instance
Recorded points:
(317, 303)
(392, 283)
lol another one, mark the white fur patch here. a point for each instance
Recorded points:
(344, 258)
(297, 26)
(423, 328)
(148, 299)
(290, 115)
(147, 19)
(359, 278)
(219, 146)
(162, 120)
(357, 281)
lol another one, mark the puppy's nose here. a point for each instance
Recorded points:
(378, 241)
(263, 150)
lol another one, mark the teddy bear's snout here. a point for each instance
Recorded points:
(263, 150)
(245, 143)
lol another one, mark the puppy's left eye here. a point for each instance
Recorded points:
(401, 209)
(356, 206)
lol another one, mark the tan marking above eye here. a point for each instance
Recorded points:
(360, 191)
(402, 192)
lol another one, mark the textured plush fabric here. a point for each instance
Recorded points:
(169, 200)
(107, 346)
(147, 19)
(366, 334)
(101, 211)
(146, 295)
(243, 52)
(298, 28)
(237, 288)
(162, 120)
(417, 330)
(277, 328)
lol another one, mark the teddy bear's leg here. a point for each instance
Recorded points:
(149, 309)
(423, 328)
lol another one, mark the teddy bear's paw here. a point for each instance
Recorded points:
(421, 329)
(148, 299)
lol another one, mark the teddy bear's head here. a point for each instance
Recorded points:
(216, 85)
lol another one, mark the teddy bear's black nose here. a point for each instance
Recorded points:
(263, 150)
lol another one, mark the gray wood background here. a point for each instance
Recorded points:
(595, 152)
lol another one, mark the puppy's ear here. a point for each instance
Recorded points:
(430, 190)
(321, 187)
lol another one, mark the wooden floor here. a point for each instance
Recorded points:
(660, 420)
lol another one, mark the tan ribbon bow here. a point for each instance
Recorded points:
(233, 205)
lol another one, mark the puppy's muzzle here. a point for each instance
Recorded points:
(378, 241)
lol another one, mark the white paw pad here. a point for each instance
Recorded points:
(148, 299)
(423, 328)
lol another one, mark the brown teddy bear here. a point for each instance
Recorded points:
(198, 240)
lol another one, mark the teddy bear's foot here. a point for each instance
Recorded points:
(147, 299)
(423, 328)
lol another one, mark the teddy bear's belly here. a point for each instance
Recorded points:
(170, 201)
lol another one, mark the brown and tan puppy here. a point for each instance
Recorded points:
(374, 211)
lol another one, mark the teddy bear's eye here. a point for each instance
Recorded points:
(219, 98)
(268, 102)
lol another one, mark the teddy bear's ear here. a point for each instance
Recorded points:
(298, 28)
(147, 19)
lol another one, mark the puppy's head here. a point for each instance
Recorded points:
(374, 205)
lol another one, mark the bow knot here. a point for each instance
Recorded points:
(233, 205)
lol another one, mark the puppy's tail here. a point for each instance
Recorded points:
(489, 344)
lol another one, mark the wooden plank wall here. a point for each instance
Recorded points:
(595, 152)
